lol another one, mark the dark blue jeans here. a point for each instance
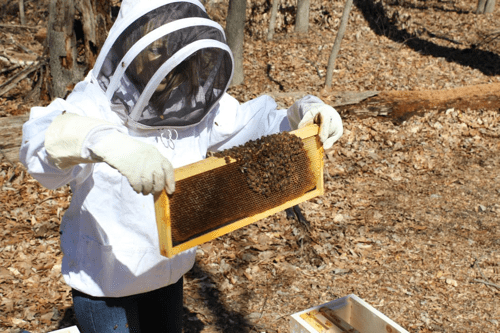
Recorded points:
(155, 311)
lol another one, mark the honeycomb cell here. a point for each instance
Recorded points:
(267, 173)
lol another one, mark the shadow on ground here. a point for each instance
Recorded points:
(433, 6)
(224, 319)
(485, 61)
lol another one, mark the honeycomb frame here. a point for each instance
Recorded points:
(169, 248)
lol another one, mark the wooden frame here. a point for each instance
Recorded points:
(315, 152)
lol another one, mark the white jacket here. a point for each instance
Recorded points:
(109, 235)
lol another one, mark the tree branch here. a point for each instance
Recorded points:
(338, 40)
(488, 283)
(15, 79)
(17, 26)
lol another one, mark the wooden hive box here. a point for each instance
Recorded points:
(347, 314)
(212, 198)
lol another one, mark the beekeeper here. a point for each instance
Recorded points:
(155, 100)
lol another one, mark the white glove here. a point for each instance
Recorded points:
(303, 112)
(73, 139)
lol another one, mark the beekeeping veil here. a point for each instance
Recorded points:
(165, 62)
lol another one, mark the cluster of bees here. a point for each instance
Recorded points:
(271, 164)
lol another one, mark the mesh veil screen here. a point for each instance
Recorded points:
(213, 199)
(189, 89)
(198, 83)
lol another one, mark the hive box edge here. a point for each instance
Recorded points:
(299, 325)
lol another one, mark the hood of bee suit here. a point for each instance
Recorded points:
(164, 63)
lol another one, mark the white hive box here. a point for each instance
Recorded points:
(346, 314)
(72, 329)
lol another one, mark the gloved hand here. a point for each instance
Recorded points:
(331, 128)
(73, 139)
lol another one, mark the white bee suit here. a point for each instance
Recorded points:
(109, 236)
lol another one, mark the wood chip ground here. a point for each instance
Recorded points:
(410, 218)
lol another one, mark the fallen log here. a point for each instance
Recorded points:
(18, 26)
(400, 105)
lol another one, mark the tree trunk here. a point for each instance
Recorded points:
(235, 32)
(480, 6)
(338, 40)
(75, 33)
(490, 6)
(485, 6)
(22, 17)
(96, 22)
(272, 20)
(302, 20)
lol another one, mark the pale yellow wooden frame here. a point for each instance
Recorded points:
(162, 208)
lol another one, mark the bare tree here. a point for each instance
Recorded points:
(485, 6)
(272, 21)
(338, 40)
(235, 32)
(302, 19)
(75, 33)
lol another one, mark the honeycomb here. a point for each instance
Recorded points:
(267, 172)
